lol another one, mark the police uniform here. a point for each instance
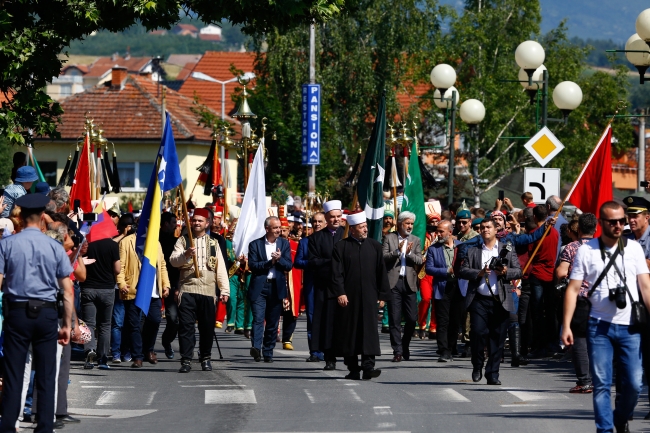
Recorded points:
(31, 263)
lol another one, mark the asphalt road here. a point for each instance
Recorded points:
(290, 395)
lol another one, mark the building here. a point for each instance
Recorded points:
(210, 33)
(128, 108)
(185, 30)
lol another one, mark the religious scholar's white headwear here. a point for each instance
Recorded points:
(356, 218)
(332, 205)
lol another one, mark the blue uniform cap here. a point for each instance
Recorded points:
(33, 201)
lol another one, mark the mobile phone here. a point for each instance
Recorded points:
(502, 195)
(76, 205)
(644, 183)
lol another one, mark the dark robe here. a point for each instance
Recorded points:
(359, 272)
(321, 245)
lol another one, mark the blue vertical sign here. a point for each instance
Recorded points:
(310, 124)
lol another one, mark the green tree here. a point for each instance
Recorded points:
(34, 32)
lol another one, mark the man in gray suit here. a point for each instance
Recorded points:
(403, 257)
(489, 268)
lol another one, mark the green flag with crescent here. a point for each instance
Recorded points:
(414, 195)
(371, 179)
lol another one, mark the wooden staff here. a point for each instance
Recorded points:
(354, 206)
(189, 230)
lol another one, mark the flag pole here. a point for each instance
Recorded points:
(621, 104)
(189, 229)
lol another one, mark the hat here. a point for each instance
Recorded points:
(389, 213)
(218, 210)
(356, 218)
(331, 205)
(202, 212)
(636, 205)
(42, 188)
(432, 217)
(477, 221)
(497, 213)
(289, 218)
(26, 174)
(464, 214)
(284, 222)
(33, 201)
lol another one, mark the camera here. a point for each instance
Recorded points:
(562, 285)
(502, 260)
(617, 295)
(644, 183)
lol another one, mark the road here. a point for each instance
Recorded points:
(290, 395)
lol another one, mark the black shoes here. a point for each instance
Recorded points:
(329, 365)
(206, 365)
(421, 334)
(445, 357)
(239, 331)
(186, 366)
(255, 353)
(494, 382)
(313, 358)
(406, 353)
(625, 428)
(90, 360)
(67, 419)
(397, 358)
(169, 352)
(58, 424)
(247, 333)
(229, 329)
(268, 359)
(353, 375)
(477, 375)
(385, 330)
(371, 374)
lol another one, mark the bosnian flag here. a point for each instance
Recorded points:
(165, 176)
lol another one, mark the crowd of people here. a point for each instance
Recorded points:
(478, 279)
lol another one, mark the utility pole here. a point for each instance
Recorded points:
(311, 170)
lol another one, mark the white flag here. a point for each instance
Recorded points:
(253, 210)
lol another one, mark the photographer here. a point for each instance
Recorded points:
(489, 301)
(610, 265)
(586, 228)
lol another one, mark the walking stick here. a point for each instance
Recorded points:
(189, 230)
(216, 340)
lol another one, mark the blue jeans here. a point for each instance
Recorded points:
(117, 323)
(606, 342)
(267, 307)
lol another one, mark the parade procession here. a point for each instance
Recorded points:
(320, 234)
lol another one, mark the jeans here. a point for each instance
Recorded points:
(117, 324)
(132, 317)
(97, 311)
(151, 325)
(267, 307)
(608, 342)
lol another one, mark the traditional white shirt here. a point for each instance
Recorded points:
(270, 249)
(486, 256)
(402, 255)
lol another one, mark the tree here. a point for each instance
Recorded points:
(34, 32)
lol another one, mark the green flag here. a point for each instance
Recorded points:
(371, 179)
(414, 195)
(41, 178)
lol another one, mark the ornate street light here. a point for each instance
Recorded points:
(643, 26)
(637, 53)
(567, 96)
(529, 56)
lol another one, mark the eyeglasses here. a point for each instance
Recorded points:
(461, 222)
(613, 222)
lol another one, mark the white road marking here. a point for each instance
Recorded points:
(150, 398)
(455, 396)
(212, 386)
(200, 380)
(107, 386)
(351, 384)
(354, 395)
(310, 396)
(522, 406)
(382, 410)
(109, 413)
(114, 397)
(386, 424)
(538, 396)
(230, 396)
(93, 381)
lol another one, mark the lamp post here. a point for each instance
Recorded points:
(472, 112)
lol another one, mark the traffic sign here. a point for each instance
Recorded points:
(542, 183)
(544, 146)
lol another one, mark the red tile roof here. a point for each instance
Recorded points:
(186, 71)
(84, 69)
(104, 64)
(216, 64)
(132, 113)
(206, 37)
(406, 99)
(189, 27)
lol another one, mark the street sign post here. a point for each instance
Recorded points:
(544, 146)
(311, 124)
(542, 183)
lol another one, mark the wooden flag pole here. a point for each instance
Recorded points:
(189, 230)
(355, 198)
(573, 187)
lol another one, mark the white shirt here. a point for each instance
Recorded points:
(486, 256)
(270, 248)
(587, 266)
(402, 255)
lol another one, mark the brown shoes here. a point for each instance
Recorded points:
(137, 363)
(152, 358)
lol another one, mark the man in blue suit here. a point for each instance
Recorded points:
(269, 257)
(301, 262)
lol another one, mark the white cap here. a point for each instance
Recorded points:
(309, 225)
(290, 218)
(356, 218)
(332, 205)
(344, 216)
(289, 201)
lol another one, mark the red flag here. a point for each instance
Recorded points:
(81, 184)
(594, 185)
(130, 207)
(103, 228)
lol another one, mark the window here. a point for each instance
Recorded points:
(66, 89)
(48, 168)
(134, 176)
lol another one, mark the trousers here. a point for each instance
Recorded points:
(267, 307)
(426, 303)
(171, 321)
(352, 362)
(191, 309)
(19, 332)
(97, 312)
(488, 328)
(402, 301)
(151, 325)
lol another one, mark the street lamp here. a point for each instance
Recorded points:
(529, 56)
(638, 54)
(205, 77)
(472, 112)
(643, 26)
(567, 96)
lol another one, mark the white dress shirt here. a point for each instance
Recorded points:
(402, 255)
(270, 249)
(486, 256)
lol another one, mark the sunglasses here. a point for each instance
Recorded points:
(613, 222)
(461, 222)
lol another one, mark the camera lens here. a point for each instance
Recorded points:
(621, 303)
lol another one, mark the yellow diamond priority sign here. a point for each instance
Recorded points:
(544, 146)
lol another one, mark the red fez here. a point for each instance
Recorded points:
(284, 222)
(202, 212)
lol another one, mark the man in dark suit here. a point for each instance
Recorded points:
(269, 257)
(446, 293)
(402, 255)
(489, 299)
(321, 245)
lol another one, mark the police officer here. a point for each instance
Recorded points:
(33, 267)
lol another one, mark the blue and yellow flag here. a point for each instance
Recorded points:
(165, 176)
